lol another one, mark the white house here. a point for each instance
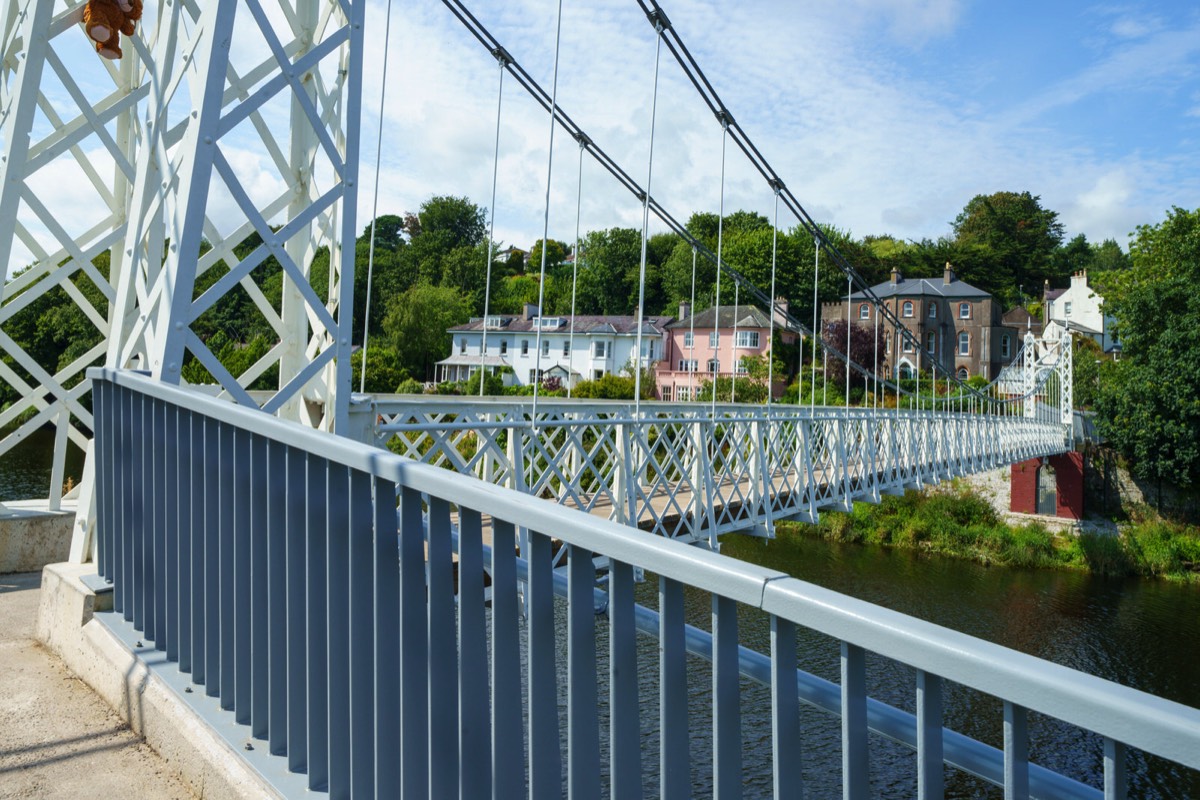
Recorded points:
(1079, 308)
(592, 347)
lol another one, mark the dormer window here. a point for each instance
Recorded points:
(495, 322)
(549, 323)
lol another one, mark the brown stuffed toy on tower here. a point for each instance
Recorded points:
(106, 20)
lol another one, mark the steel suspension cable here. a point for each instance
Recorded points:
(641, 314)
(692, 364)
(849, 322)
(736, 361)
(487, 285)
(575, 265)
(716, 334)
(537, 371)
(387, 32)
(816, 276)
(771, 334)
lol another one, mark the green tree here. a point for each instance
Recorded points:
(417, 324)
(1148, 404)
(556, 253)
(1020, 235)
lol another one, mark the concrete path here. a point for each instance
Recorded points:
(57, 738)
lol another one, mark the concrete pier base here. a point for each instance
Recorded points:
(31, 536)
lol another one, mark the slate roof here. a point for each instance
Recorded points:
(584, 324)
(924, 287)
(1054, 294)
(747, 317)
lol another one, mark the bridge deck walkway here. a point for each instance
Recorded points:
(58, 739)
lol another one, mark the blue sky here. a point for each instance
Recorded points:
(883, 116)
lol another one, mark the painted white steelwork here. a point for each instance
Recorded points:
(681, 472)
(223, 157)
(332, 597)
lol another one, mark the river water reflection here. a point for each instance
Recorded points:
(25, 470)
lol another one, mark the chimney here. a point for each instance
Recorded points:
(1079, 279)
(685, 309)
(1046, 287)
(897, 278)
(780, 310)
(531, 310)
(948, 275)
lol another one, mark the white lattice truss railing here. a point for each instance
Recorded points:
(682, 472)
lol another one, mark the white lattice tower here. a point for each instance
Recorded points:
(59, 128)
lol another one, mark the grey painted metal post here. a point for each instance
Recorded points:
(1016, 752)
(930, 778)
(856, 778)
(785, 713)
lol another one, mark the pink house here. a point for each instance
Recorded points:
(693, 344)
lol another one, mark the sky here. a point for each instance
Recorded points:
(881, 116)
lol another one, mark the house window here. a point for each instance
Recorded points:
(907, 309)
(688, 340)
(714, 339)
(666, 393)
(597, 374)
(688, 364)
(964, 344)
(598, 349)
(503, 347)
(906, 372)
(566, 347)
(931, 341)
(741, 367)
(524, 347)
(462, 346)
(1005, 346)
(1067, 309)
(864, 311)
(932, 312)
(536, 375)
(648, 350)
(747, 339)
(545, 347)
(964, 310)
(963, 374)
(683, 394)
(713, 365)
(908, 344)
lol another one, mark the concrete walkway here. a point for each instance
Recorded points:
(58, 739)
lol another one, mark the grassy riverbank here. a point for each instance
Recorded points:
(957, 522)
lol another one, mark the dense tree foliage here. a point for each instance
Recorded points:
(416, 326)
(1148, 403)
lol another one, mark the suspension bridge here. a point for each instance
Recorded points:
(311, 565)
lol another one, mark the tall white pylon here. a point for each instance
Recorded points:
(226, 158)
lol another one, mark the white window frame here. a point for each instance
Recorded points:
(567, 348)
(964, 310)
(599, 350)
(524, 347)
(931, 341)
(683, 394)
(864, 310)
(1005, 346)
(545, 347)
(1067, 308)
(906, 308)
(964, 343)
(462, 346)
(932, 312)
(713, 365)
(962, 373)
(714, 339)
(907, 347)
(666, 393)
(689, 341)
(745, 337)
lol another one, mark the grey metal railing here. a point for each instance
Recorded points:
(309, 584)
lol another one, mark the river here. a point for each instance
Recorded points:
(25, 470)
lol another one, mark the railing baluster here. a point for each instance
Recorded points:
(583, 734)
(337, 554)
(243, 577)
(930, 778)
(623, 724)
(273, 575)
(475, 772)
(172, 532)
(414, 663)
(156, 627)
(1115, 780)
(187, 531)
(1016, 752)
(211, 595)
(385, 616)
(137, 518)
(317, 620)
(545, 758)
(856, 778)
(226, 573)
(675, 777)
(268, 486)
(297, 579)
(361, 628)
(202, 486)
(785, 712)
(443, 656)
(727, 700)
(508, 738)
